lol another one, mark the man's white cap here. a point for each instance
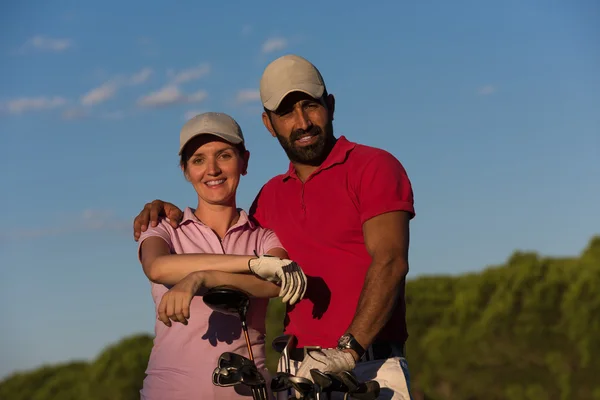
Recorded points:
(212, 123)
(287, 74)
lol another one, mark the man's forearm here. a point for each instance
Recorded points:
(251, 284)
(378, 298)
(170, 269)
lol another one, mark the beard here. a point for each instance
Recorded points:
(313, 154)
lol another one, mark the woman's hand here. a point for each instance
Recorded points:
(175, 304)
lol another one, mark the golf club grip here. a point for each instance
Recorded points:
(366, 391)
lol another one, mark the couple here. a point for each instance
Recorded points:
(341, 211)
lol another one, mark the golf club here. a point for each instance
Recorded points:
(283, 344)
(247, 375)
(233, 360)
(230, 301)
(281, 382)
(304, 386)
(322, 383)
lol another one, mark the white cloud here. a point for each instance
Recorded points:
(486, 90)
(44, 43)
(165, 96)
(100, 94)
(141, 77)
(84, 221)
(189, 74)
(248, 95)
(110, 88)
(169, 95)
(24, 104)
(274, 44)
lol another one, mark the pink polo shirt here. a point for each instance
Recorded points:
(183, 357)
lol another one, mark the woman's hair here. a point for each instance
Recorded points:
(186, 154)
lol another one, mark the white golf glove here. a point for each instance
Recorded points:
(275, 269)
(326, 360)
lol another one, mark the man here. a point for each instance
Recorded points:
(342, 211)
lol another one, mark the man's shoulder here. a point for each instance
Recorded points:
(273, 183)
(362, 153)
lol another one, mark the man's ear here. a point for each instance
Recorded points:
(267, 122)
(246, 158)
(330, 101)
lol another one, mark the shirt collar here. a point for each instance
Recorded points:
(337, 156)
(189, 216)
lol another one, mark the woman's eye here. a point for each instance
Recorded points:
(198, 160)
(225, 156)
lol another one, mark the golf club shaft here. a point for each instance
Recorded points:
(245, 329)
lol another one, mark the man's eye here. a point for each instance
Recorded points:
(198, 160)
(226, 156)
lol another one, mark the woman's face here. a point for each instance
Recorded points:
(214, 168)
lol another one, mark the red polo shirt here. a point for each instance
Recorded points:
(320, 221)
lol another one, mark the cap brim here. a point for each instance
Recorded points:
(229, 138)
(311, 89)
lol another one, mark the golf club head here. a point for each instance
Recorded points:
(281, 382)
(227, 300)
(336, 385)
(251, 376)
(233, 360)
(321, 379)
(348, 379)
(368, 390)
(226, 377)
(280, 342)
(302, 385)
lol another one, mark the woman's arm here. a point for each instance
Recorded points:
(251, 284)
(160, 266)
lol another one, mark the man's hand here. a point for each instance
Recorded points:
(275, 269)
(326, 360)
(150, 214)
(175, 304)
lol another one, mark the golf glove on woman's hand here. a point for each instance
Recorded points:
(280, 270)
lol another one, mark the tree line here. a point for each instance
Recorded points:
(525, 330)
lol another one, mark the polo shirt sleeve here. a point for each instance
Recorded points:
(383, 186)
(257, 209)
(161, 230)
(269, 241)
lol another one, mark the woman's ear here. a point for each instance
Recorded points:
(185, 174)
(245, 158)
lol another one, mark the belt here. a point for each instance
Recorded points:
(376, 351)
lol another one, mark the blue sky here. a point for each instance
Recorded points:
(492, 107)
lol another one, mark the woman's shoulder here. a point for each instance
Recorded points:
(164, 228)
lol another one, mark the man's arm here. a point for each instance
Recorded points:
(387, 241)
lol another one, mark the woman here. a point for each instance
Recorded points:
(215, 244)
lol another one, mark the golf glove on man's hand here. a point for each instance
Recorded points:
(275, 269)
(326, 360)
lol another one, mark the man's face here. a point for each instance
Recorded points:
(304, 128)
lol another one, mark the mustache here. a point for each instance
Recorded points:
(313, 131)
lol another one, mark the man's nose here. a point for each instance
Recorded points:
(302, 120)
